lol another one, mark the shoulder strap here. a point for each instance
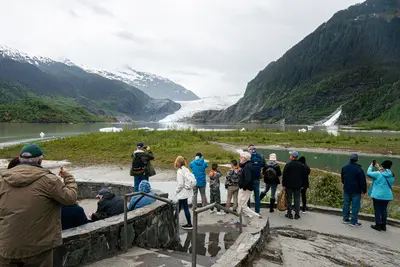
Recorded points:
(388, 183)
(137, 201)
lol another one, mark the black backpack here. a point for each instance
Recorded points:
(138, 165)
(270, 175)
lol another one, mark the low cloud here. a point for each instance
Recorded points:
(97, 8)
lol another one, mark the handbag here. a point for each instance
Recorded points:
(282, 202)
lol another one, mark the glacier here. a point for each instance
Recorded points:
(188, 108)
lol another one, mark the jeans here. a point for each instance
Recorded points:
(232, 193)
(256, 190)
(243, 198)
(183, 204)
(202, 190)
(137, 180)
(273, 191)
(304, 198)
(290, 194)
(380, 210)
(355, 200)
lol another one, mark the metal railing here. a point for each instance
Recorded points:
(203, 209)
(168, 201)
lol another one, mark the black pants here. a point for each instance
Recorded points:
(304, 198)
(290, 194)
(380, 210)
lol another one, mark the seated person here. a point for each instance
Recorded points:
(108, 205)
(72, 216)
(141, 200)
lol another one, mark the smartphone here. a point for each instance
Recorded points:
(373, 162)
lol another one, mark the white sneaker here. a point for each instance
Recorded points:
(212, 211)
(220, 213)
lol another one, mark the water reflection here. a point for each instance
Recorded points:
(209, 244)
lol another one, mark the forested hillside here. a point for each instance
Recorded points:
(352, 60)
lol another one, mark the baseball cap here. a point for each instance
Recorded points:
(140, 144)
(198, 154)
(354, 156)
(103, 191)
(295, 154)
(31, 151)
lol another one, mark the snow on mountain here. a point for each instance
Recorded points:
(23, 57)
(155, 86)
(188, 108)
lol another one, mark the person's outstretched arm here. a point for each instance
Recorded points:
(62, 192)
(370, 173)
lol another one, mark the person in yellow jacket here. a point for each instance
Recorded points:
(30, 207)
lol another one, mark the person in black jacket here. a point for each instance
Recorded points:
(246, 185)
(294, 175)
(271, 173)
(306, 184)
(108, 205)
(72, 216)
(141, 168)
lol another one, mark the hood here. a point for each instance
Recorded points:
(144, 186)
(23, 175)
(199, 161)
(387, 173)
(108, 195)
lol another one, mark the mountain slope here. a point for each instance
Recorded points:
(98, 95)
(155, 86)
(352, 60)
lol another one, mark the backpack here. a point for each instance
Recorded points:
(190, 180)
(270, 175)
(138, 166)
(258, 162)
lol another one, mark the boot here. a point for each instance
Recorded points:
(271, 205)
(383, 227)
(377, 227)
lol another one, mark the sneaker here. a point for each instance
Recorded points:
(296, 216)
(347, 221)
(304, 211)
(357, 225)
(212, 211)
(187, 227)
(221, 213)
(289, 215)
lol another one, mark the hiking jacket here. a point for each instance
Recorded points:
(199, 167)
(294, 175)
(146, 156)
(215, 179)
(181, 191)
(144, 186)
(246, 176)
(30, 221)
(380, 184)
(277, 168)
(307, 178)
(353, 179)
(108, 206)
(229, 181)
(72, 216)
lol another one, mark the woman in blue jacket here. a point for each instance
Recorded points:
(381, 192)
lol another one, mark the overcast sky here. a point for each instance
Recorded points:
(212, 47)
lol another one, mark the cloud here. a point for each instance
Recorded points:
(186, 73)
(128, 36)
(97, 8)
(73, 13)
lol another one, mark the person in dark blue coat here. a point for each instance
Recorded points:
(72, 216)
(354, 184)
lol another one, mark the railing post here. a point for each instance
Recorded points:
(240, 222)
(177, 221)
(194, 236)
(126, 223)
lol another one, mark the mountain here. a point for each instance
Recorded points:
(352, 60)
(63, 81)
(155, 86)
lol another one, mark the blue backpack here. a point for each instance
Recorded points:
(258, 163)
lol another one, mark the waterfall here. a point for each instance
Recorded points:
(331, 119)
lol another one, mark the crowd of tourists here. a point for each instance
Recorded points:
(28, 235)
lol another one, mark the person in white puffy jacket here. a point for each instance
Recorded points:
(183, 190)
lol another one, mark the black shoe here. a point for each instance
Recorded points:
(271, 205)
(376, 227)
(383, 227)
(289, 215)
(296, 216)
(187, 227)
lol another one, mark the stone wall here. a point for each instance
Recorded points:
(153, 226)
(89, 190)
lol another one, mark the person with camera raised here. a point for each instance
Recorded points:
(142, 168)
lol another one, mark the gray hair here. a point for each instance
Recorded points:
(30, 160)
(245, 155)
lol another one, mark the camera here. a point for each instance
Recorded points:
(145, 147)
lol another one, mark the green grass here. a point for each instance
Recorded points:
(378, 125)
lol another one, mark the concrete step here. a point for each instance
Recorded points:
(138, 257)
(202, 260)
